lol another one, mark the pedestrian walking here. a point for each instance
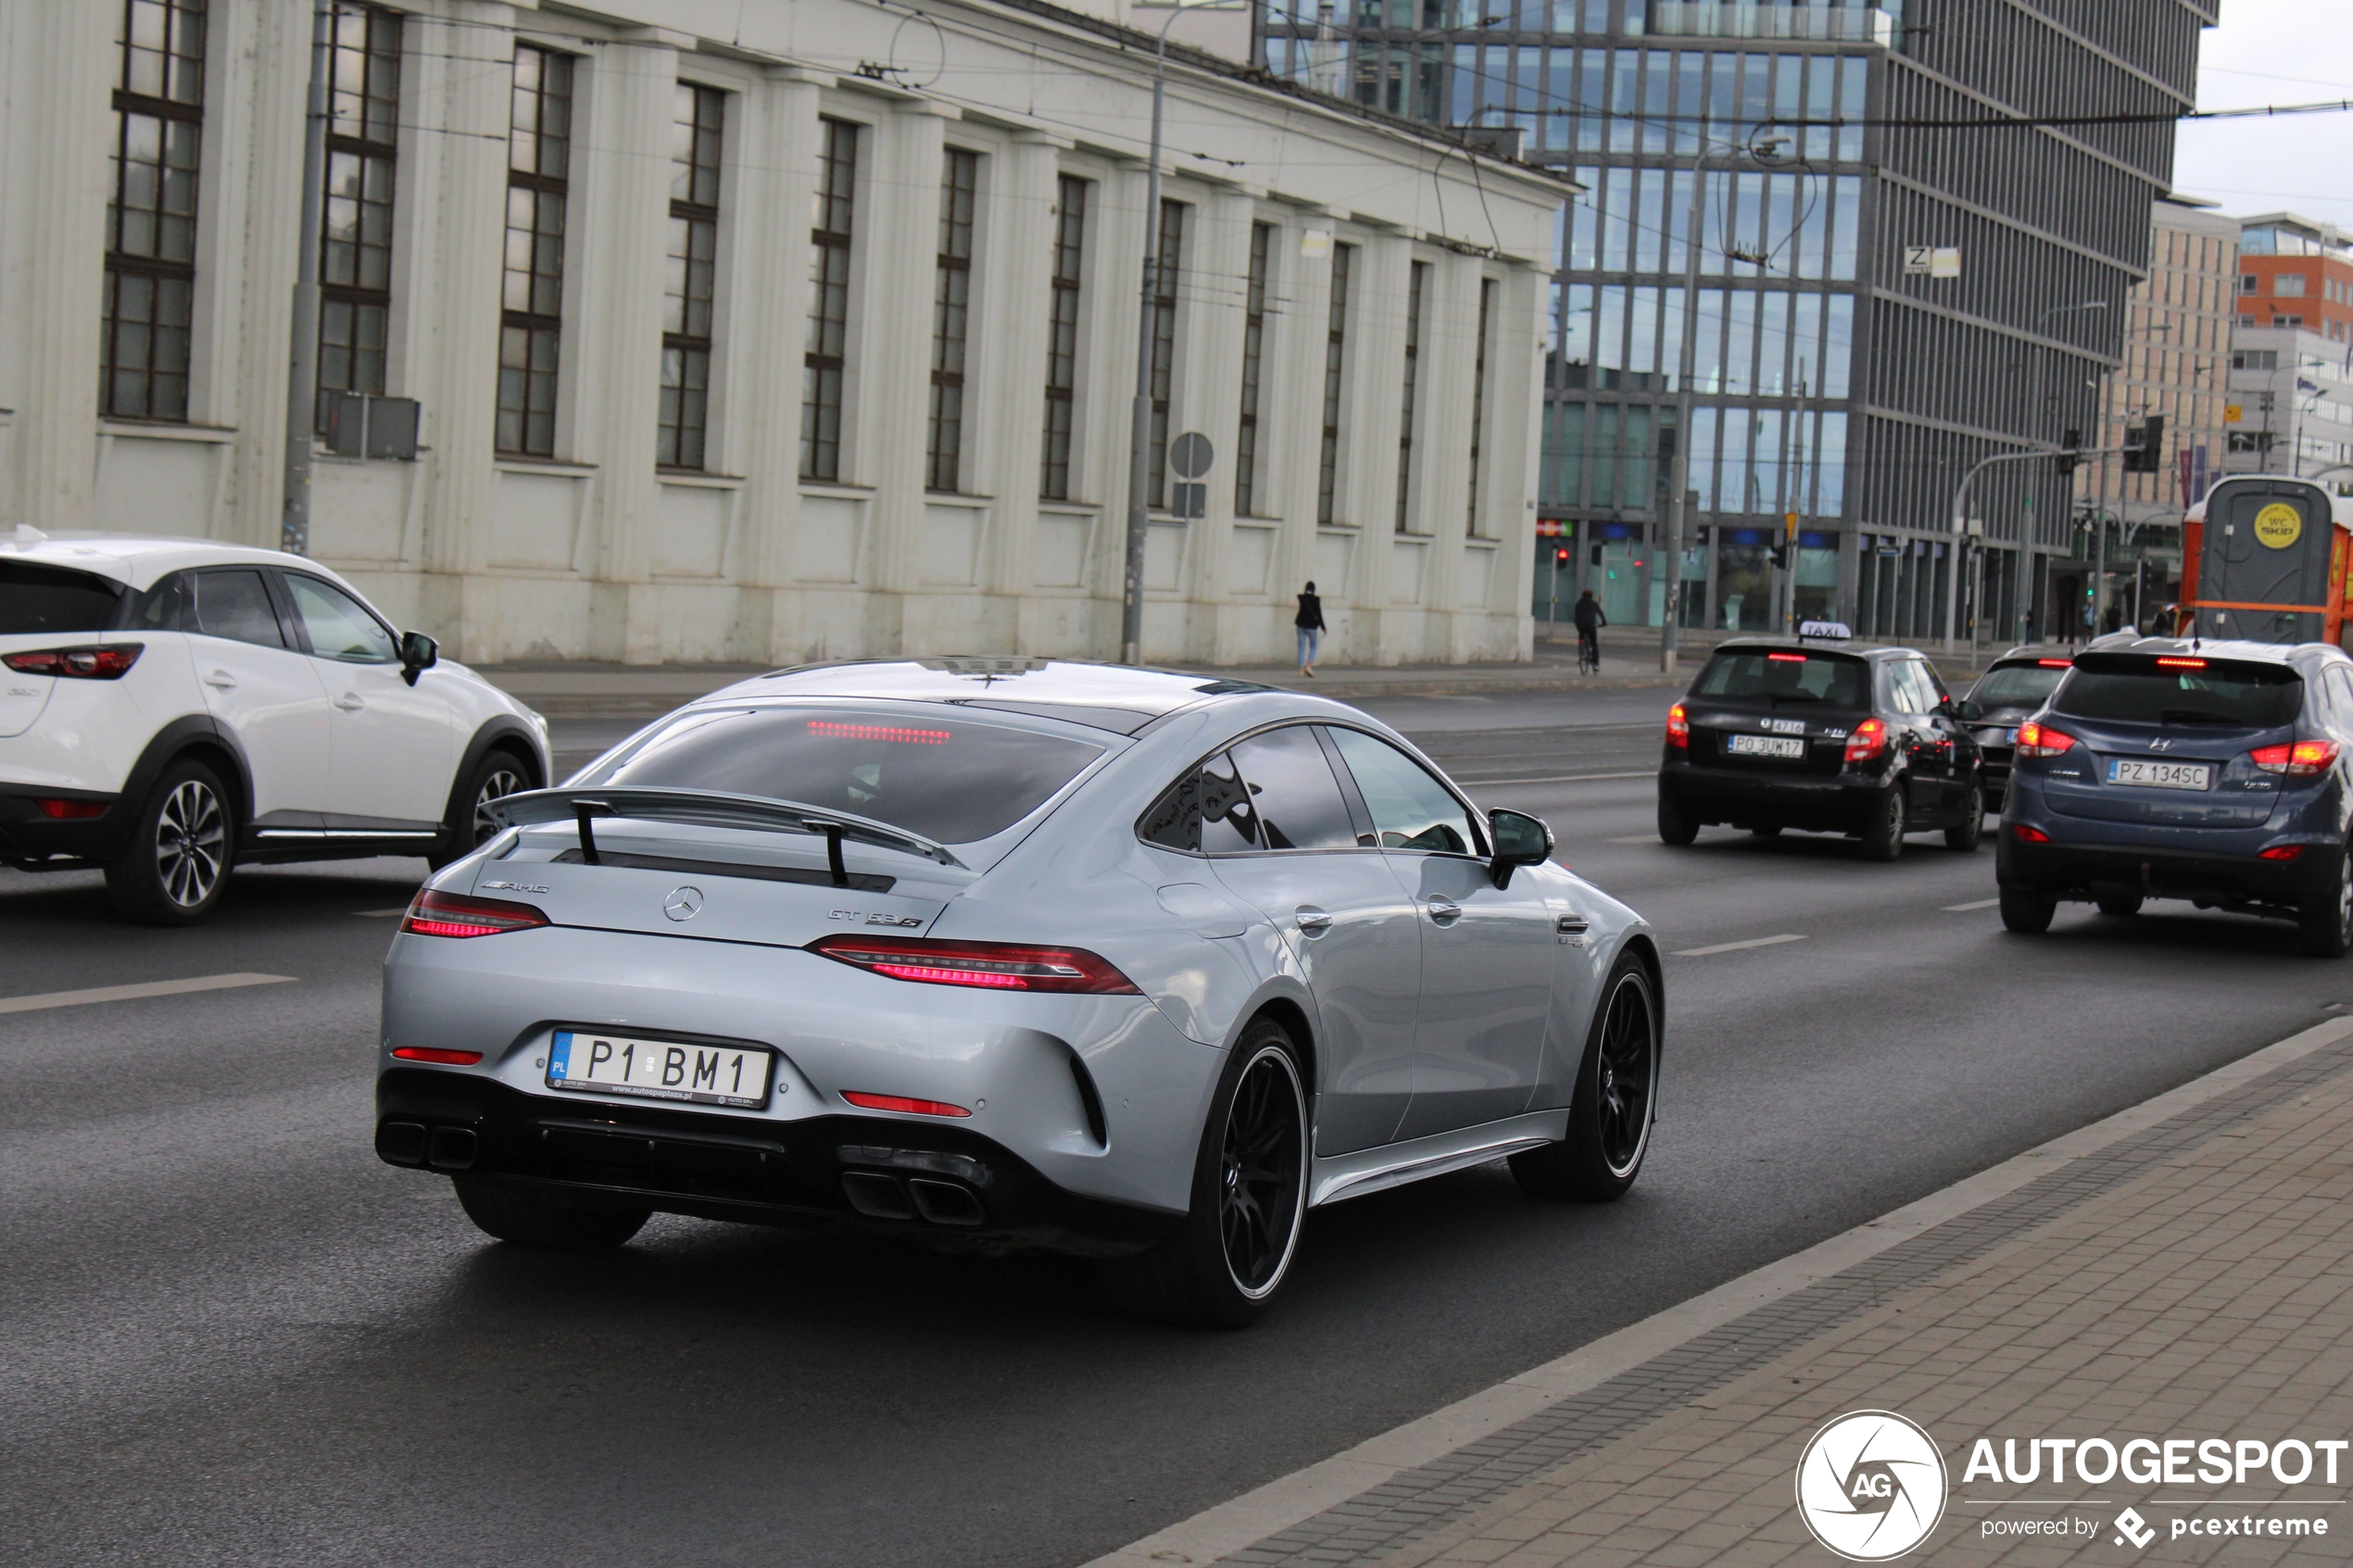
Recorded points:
(1310, 624)
(1589, 621)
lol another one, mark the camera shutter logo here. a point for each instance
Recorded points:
(1870, 1485)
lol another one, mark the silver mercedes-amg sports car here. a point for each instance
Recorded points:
(1013, 953)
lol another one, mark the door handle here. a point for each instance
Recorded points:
(1313, 922)
(1444, 911)
(1572, 926)
(350, 702)
(220, 678)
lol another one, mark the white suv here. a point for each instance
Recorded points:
(171, 708)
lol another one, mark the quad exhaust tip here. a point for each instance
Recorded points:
(937, 1202)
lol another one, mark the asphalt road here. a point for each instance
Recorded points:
(233, 1337)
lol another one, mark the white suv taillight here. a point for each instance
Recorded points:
(105, 662)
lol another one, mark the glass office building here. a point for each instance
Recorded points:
(1879, 304)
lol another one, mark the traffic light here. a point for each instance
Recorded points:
(1779, 551)
(1560, 558)
(2145, 445)
(2073, 442)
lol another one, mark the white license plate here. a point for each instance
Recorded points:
(2159, 775)
(1764, 746)
(619, 1064)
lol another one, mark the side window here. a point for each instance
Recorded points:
(338, 628)
(234, 603)
(1207, 811)
(1411, 811)
(164, 607)
(1910, 687)
(2340, 690)
(1936, 692)
(1292, 793)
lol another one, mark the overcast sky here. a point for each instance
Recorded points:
(2274, 52)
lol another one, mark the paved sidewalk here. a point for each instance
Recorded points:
(2188, 1282)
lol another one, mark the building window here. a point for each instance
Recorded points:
(827, 344)
(951, 319)
(1420, 274)
(151, 210)
(1164, 370)
(1478, 395)
(531, 324)
(2248, 283)
(1261, 245)
(2288, 286)
(355, 240)
(1335, 354)
(1062, 339)
(689, 281)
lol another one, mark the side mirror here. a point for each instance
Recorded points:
(417, 654)
(1520, 840)
(1968, 711)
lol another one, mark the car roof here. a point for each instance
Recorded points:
(140, 560)
(1107, 696)
(2218, 647)
(1813, 645)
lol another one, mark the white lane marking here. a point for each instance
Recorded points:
(133, 993)
(1737, 946)
(381, 914)
(1965, 908)
(1559, 778)
(1638, 838)
(1230, 1526)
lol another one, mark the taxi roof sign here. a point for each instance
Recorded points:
(1824, 631)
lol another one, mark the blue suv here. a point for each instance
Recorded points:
(2214, 771)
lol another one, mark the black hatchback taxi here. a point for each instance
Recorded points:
(1785, 733)
(2215, 771)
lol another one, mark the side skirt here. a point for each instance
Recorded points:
(1392, 1165)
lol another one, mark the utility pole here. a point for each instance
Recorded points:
(302, 361)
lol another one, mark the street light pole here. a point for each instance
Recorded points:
(302, 360)
(2020, 574)
(1680, 483)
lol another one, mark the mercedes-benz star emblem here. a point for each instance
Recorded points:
(684, 903)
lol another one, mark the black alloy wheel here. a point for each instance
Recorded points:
(1883, 836)
(1222, 1265)
(177, 863)
(1766, 830)
(496, 776)
(1962, 837)
(1612, 1111)
(2326, 929)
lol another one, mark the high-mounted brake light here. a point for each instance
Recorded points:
(901, 1103)
(990, 966)
(1785, 659)
(438, 1058)
(1868, 741)
(107, 663)
(2040, 740)
(447, 914)
(2301, 760)
(2025, 835)
(2181, 664)
(2055, 663)
(1679, 727)
(835, 730)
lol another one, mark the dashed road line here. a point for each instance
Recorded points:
(1965, 908)
(1738, 947)
(138, 992)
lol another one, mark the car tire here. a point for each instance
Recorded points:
(1965, 834)
(1884, 835)
(1675, 825)
(181, 846)
(2027, 911)
(500, 772)
(2120, 905)
(1226, 1261)
(1614, 1104)
(528, 1220)
(1767, 830)
(2326, 931)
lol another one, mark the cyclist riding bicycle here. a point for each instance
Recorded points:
(1589, 621)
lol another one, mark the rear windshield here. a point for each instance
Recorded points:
(2017, 685)
(1780, 676)
(2258, 697)
(42, 599)
(947, 779)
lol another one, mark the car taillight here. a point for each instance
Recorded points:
(2181, 664)
(106, 663)
(2055, 663)
(2040, 740)
(438, 1058)
(1679, 727)
(2281, 852)
(2302, 760)
(447, 914)
(1869, 740)
(71, 810)
(991, 966)
(2025, 835)
(901, 1103)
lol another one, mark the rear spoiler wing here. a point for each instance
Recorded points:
(711, 808)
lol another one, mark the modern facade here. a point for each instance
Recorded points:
(2178, 323)
(1877, 306)
(780, 329)
(2295, 273)
(2291, 405)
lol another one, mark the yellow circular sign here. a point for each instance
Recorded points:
(2279, 525)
